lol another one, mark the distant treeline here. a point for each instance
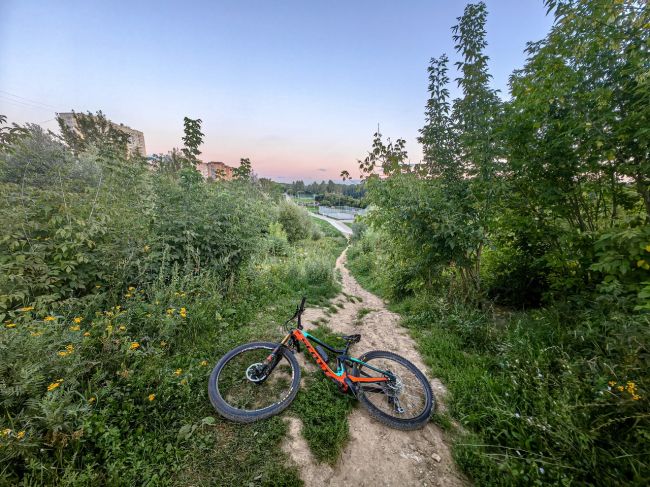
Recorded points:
(357, 191)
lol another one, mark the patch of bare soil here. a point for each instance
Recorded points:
(375, 454)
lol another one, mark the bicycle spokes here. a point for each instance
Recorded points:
(245, 382)
(401, 396)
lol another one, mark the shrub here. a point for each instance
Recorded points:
(276, 241)
(623, 257)
(295, 221)
(318, 271)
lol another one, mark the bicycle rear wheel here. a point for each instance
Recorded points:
(240, 392)
(405, 402)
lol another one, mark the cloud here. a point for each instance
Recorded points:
(322, 169)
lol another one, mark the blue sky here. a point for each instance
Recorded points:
(298, 87)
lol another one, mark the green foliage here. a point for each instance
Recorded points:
(277, 241)
(552, 396)
(324, 409)
(336, 199)
(623, 257)
(192, 139)
(244, 171)
(119, 288)
(295, 221)
(9, 134)
(94, 131)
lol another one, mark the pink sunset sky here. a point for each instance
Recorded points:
(297, 87)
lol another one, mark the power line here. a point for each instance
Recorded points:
(35, 102)
(24, 104)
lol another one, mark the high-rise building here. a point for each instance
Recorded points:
(136, 138)
(215, 170)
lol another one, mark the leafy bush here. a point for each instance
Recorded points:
(119, 288)
(528, 387)
(623, 257)
(277, 241)
(295, 221)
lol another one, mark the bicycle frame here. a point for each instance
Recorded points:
(341, 375)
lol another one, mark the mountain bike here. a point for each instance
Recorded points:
(260, 379)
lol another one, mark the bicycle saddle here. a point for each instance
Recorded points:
(352, 338)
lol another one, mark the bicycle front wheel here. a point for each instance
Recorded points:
(239, 391)
(405, 401)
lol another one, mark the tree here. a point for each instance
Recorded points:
(94, 130)
(579, 118)
(436, 136)
(391, 157)
(10, 134)
(244, 171)
(192, 139)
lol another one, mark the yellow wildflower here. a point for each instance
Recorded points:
(6, 432)
(146, 248)
(170, 311)
(128, 295)
(204, 363)
(178, 371)
(647, 248)
(75, 328)
(10, 325)
(36, 333)
(54, 385)
(77, 319)
(163, 343)
(134, 346)
(86, 333)
(69, 348)
(49, 318)
(26, 308)
(151, 397)
(611, 383)
(62, 354)
(97, 286)
(636, 397)
(621, 388)
(20, 435)
(122, 328)
(183, 382)
(131, 288)
(91, 400)
(183, 313)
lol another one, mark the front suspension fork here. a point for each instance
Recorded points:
(274, 357)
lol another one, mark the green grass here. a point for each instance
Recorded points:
(327, 228)
(323, 409)
(530, 390)
(358, 320)
(108, 431)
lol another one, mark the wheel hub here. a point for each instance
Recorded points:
(255, 373)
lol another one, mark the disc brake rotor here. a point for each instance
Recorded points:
(253, 373)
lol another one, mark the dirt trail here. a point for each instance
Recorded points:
(375, 454)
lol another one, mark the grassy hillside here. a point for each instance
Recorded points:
(120, 289)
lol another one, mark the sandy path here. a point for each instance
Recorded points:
(375, 454)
